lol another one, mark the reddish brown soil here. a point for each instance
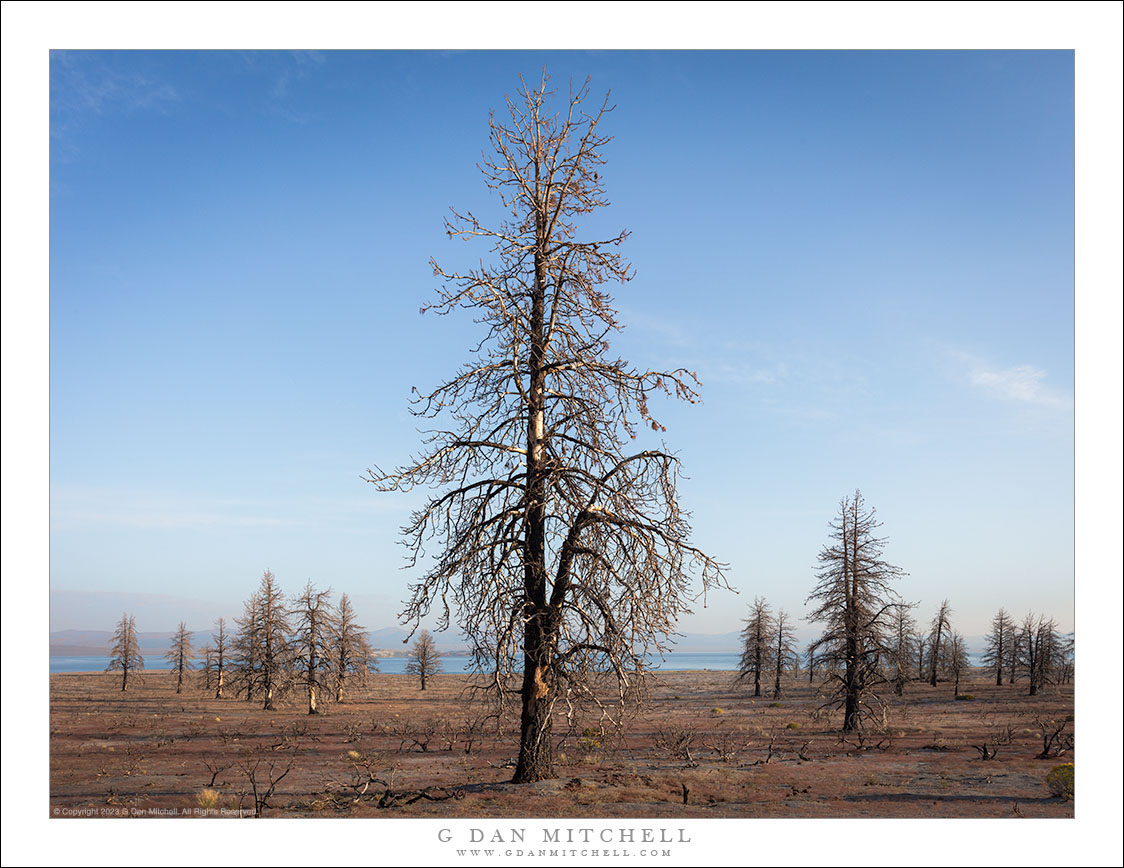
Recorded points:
(150, 752)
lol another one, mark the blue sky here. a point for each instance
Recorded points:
(867, 257)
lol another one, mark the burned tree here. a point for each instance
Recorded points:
(920, 648)
(180, 655)
(854, 601)
(810, 657)
(220, 651)
(784, 655)
(1066, 658)
(956, 659)
(263, 643)
(1000, 642)
(311, 642)
(939, 628)
(563, 547)
(206, 667)
(901, 648)
(757, 640)
(1037, 644)
(425, 660)
(274, 650)
(244, 648)
(125, 656)
(352, 657)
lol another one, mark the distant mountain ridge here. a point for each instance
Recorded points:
(99, 643)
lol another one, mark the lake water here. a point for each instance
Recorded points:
(677, 661)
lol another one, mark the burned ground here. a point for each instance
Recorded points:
(699, 747)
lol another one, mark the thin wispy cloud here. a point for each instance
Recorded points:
(84, 85)
(101, 507)
(156, 519)
(296, 66)
(748, 374)
(783, 381)
(1022, 384)
(715, 359)
(281, 73)
(667, 331)
(81, 83)
(73, 508)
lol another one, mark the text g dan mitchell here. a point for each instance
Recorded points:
(614, 835)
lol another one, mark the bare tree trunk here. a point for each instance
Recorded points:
(785, 652)
(535, 753)
(312, 674)
(933, 662)
(535, 727)
(1032, 669)
(939, 623)
(267, 667)
(181, 663)
(999, 666)
(851, 689)
(220, 656)
(850, 675)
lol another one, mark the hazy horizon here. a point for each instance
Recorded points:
(79, 610)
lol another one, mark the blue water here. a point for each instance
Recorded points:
(90, 664)
(387, 665)
(677, 661)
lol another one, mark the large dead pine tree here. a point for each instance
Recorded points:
(263, 647)
(785, 657)
(352, 656)
(854, 599)
(180, 655)
(563, 546)
(314, 625)
(425, 661)
(757, 640)
(125, 657)
(1000, 645)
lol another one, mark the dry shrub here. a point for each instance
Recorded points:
(1060, 781)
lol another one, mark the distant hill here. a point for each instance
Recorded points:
(707, 643)
(98, 643)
